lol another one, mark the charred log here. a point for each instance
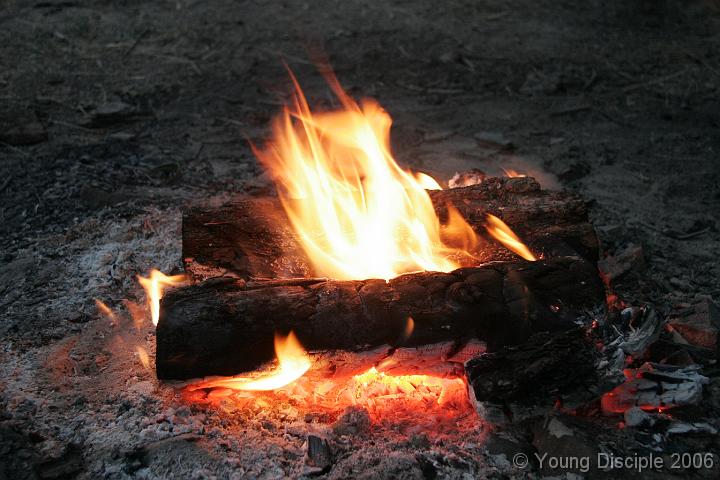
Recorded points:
(252, 237)
(546, 371)
(226, 326)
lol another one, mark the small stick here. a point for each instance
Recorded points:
(135, 43)
(654, 81)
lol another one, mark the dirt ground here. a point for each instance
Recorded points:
(116, 114)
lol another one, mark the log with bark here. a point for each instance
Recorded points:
(252, 237)
(226, 326)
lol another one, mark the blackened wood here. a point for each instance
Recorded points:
(251, 237)
(227, 327)
(542, 372)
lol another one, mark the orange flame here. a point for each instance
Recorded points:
(409, 328)
(107, 311)
(511, 173)
(143, 357)
(293, 362)
(154, 286)
(500, 231)
(356, 212)
(457, 233)
(427, 182)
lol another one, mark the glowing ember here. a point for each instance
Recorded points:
(500, 231)
(293, 362)
(154, 286)
(356, 212)
(373, 386)
(412, 399)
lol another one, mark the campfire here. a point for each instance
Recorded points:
(464, 250)
(363, 285)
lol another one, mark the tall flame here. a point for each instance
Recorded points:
(154, 286)
(499, 229)
(356, 212)
(293, 362)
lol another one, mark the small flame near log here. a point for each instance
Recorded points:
(382, 394)
(392, 397)
(293, 361)
(504, 234)
(154, 286)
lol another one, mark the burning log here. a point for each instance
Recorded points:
(226, 326)
(252, 237)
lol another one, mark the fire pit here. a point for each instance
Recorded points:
(347, 211)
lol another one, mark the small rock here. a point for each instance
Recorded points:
(354, 421)
(21, 127)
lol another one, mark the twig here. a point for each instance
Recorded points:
(590, 81)
(702, 62)
(438, 90)
(68, 124)
(610, 118)
(175, 59)
(6, 183)
(135, 43)
(14, 148)
(654, 81)
(573, 109)
(686, 236)
(199, 150)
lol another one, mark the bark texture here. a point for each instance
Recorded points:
(226, 326)
(252, 237)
